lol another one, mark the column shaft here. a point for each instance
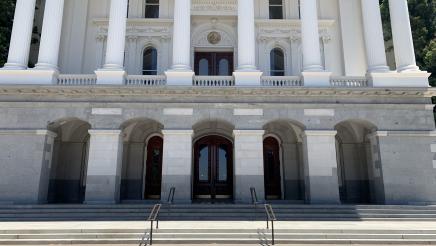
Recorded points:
(177, 164)
(104, 166)
(246, 36)
(373, 33)
(320, 167)
(21, 35)
(310, 36)
(182, 35)
(51, 35)
(116, 35)
(402, 36)
(248, 164)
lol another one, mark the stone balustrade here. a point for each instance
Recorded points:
(214, 81)
(77, 79)
(146, 80)
(349, 82)
(281, 81)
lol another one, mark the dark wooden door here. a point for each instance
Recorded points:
(213, 168)
(271, 160)
(213, 63)
(153, 174)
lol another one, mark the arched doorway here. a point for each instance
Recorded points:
(271, 167)
(213, 168)
(70, 160)
(153, 174)
(141, 174)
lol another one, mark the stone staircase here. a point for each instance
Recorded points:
(219, 212)
(217, 224)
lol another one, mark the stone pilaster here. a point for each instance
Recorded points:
(313, 71)
(248, 164)
(247, 73)
(181, 72)
(113, 69)
(177, 164)
(104, 167)
(320, 167)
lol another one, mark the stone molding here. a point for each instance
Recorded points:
(423, 133)
(123, 91)
(177, 132)
(27, 132)
(104, 132)
(319, 133)
(248, 132)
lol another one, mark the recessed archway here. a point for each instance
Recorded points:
(70, 156)
(141, 176)
(359, 177)
(283, 161)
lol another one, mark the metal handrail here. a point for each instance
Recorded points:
(254, 200)
(270, 216)
(170, 199)
(154, 216)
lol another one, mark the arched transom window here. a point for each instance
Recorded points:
(151, 9)
(149, 61)
(277, 62)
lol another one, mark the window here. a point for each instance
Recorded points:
(276, 9)
(149, 65)
(277, 61)
(151, 9)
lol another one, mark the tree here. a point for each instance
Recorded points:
(423, 23)
(7, 8)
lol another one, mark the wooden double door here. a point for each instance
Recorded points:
(213, 63)
(213, 168)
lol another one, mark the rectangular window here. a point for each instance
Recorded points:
(276, 9)
(151, 9)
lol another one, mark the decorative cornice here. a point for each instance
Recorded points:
(175, 91)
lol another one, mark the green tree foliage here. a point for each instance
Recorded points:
(423, 23)
(7, 8)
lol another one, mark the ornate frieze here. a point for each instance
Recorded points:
(217, 7)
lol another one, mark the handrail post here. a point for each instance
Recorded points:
(272, 228)
(151, 233)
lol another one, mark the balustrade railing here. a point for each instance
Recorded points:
(349, 82)
(77, 79)
(214, 81)
(146, 80)
(281, 81)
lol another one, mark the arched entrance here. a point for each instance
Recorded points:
(70, 160)
(213, 168)
(271, 166)
(153, 174)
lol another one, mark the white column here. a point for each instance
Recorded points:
(181, 72)
(373, 33)
(320, 167)
(402, 36)
(113, 69)
(177, 164)
(248, 164)
(104, 166)
(310, 36)
(51, 35)
(21, 35)
(247, 73)
(313, 73)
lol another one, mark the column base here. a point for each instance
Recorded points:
(29, 76)
(402, 79)
(110, 77)
(247, 78)
(316, 79)
(179, 77)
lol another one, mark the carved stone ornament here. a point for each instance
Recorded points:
(214, 37)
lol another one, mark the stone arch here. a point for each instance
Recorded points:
(213, 127)
(359, 170)
(288, 133)
(69, 161)
(137, 134)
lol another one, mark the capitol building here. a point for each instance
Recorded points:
(117, 101)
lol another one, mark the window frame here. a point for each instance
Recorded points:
(282, 6)
(273, 71)
(151, 72)
(147, 4)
